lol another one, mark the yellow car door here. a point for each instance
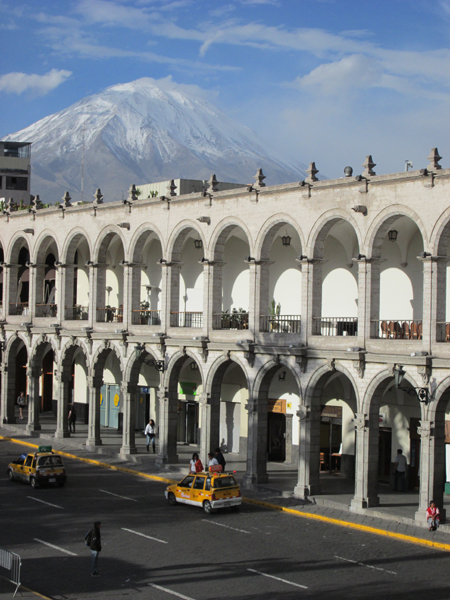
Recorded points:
(183, 492)
(197, 493)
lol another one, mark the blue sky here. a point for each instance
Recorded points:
(322, 80)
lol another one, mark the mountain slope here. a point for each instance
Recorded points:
(141, 132)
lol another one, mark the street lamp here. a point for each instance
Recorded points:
(392, 235)
(198, 244)
(421, 393)
(158, 364)
(286, 240)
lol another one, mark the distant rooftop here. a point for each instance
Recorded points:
(15, 149)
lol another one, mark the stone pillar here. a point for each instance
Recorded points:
(438, 300)
(35, 288)
(308, 483)
(373, 298)
(207, 298)
(311, 308)
(427, 268)
(432, 468)
(8, 396)
(366, 468)
(92, 318)
(128, 280)
(8, 277)
(133, 296)
(256, 445)
(34, 405)
(257, 272)
(62, 422)
(59, 293)
(288, 441)
(165, 298)
(363, 302)
(168, 419)
(129, 419)
(94, 391)
(205, 427)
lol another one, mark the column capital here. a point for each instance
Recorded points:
(425, 430)
(94, 382)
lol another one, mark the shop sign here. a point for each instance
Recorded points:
(331, 412)
(276, 406)
(187, 388)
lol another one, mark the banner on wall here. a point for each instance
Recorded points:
(187, 388)
(276, 406)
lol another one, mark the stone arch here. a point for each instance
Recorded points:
(103, 241)
(268, 231)
(68, 354)
(42, 245)
(217, 365)
(139, 238)
(134, 364)
(322, 227)
(175, 362)
(380, 226)
(266, 372)
(14, 344)
(221, 233)
(100, 356)
(14, 247)
(366, 406)
(178, 236)
(39, 349)
(317, 375)
(71, 243)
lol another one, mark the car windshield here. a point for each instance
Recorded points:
(50, 461)
(223, 482)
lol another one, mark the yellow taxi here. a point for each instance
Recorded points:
(211, 490)
(40, 468)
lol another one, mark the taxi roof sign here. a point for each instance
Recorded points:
(215, 468)
(44, 449)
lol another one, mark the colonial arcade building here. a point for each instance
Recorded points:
(273, 321)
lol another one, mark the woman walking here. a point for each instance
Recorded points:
(150, 432)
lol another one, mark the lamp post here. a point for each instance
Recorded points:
(158, 364)
(421, 393)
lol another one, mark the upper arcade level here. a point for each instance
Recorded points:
(357, 262)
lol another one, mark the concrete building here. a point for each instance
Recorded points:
(272, 321)
(15, 172)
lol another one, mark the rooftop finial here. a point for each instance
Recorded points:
(132, 196)
(259, 178)
(312, 171)
(213, 183)
(434, 159)
(368, 165)
(171, 188)
(66, 200)
(98, 197)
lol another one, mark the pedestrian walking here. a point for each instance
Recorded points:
(220, 458)
(195, 466)
(211, 460)
(400, 471)
(96, 547)
(150, 432)
(72, 417)
(433, 516)
(22, 402)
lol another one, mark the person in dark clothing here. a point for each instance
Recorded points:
(220, 458)
(96, 547)
(72, 417)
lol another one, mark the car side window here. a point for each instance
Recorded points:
(34, 463)
(187, 481)
(208, 484)
(199, 483)
(28, 461)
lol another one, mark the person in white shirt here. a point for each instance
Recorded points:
(211, 460)
(151, 434)
(400, 471)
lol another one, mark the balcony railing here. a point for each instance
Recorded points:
(46, 310)
(335, 326)
(230, 321)
(443, 331)
(280, 323)
(146, 317)
(18, 308)
(186, 319)
(397, 330)
(110, 314)
(76, 313)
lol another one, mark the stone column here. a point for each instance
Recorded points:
(427, 268)
(62, 422)
(36, 276)
(438, 300)
(8, 276)
(34, 405)
(205, 427)
(311, 308)
(129, 419)
(165, 298)
(373, 298)
(366, 468)
(92, 317)
(168, 419)
(308, 483)
(257, 445)
(94, 390)
(288, 441)
(8, 396)
(59, 293)
(254, 297)
(128, 279)
(207, 298)
(363, 301)
(134, 296)
(432, 468)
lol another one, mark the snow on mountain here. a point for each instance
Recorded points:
(143, 132)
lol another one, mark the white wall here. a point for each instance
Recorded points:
(340, 281)
(235, 283)
(285, 279)
(191, 278)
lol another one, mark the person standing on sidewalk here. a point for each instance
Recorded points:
(72, 417)
(400, 471)
(22, 402)
(151, 434)
(96, 548)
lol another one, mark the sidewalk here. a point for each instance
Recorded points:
(395, 513)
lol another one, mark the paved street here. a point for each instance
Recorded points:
(152, 550)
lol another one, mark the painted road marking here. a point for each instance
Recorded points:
(43, 502)
(149, 537)
(117, 496)
(227, 526)
(159, 587)
(278, 579)
(364, 565)
(55, 547)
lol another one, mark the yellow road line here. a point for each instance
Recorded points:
(268, 505)
(35, 593)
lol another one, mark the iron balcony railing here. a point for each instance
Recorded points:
(76, 313)
(186, 319)
(18, 308)
(397, 330)
(335, 326)
(110, 314)
(230, 321)
(46, 310)
(146, 317)
(280, 323)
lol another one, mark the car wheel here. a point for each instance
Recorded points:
(172, 499)
(207, 507)
(10, 475)
(236, 508)
(33, 482)
(61, 483)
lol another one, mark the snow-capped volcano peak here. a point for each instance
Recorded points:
(144, 131)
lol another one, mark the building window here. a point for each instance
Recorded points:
(16, 183)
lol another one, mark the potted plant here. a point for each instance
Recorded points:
(145, 313)
(225, 319)
(274, 311)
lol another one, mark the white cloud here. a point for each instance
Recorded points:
(18, 83)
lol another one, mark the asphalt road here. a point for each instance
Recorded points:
(155, 551)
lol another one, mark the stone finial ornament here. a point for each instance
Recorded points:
(312, 171)
(213, 183)
(10, 206)
(132, 196)
(98, 197)
(434, 159)
(259, 178)
(171, 188)
(66, 200)
(368, 165)
(36, 203)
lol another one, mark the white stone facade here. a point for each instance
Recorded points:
(272, 326)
